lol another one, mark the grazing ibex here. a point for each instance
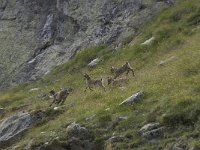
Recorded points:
(60, 97)
(119, 71)
(90, 83)
(118, 82)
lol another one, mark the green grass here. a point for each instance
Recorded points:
(171, 91)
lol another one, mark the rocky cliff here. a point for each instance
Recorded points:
(35, 36)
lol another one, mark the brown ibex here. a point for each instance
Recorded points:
(119, 71)
(90, 83)
(61, 96)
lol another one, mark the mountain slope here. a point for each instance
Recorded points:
(167, 70)
(38, 35)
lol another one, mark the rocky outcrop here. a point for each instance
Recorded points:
(37, 35)
(13, 128)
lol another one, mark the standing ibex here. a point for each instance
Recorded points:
(119, 71)
(60, 97)
(90, 83)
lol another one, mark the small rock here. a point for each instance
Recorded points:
(94, 62)
(149, 41)
(2, 110)
(152, 131)
(123, 118)
(148, 127)
(133, 99)
(154, 134)
(56, 108)
(34, 89)
(59, 108)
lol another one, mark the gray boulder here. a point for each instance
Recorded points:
(133, 99)
(13, 128)
(152, 131)
(76, 131)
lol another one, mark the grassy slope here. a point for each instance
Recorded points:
(172, 91)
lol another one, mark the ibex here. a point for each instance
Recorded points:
(60, 97)
(119, 71)
(90, 83)
(117, 82)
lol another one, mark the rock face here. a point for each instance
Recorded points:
(37, 35)
(133, 99)
(13, 128)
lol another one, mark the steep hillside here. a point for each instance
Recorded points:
(167, 70)
(36, 36)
